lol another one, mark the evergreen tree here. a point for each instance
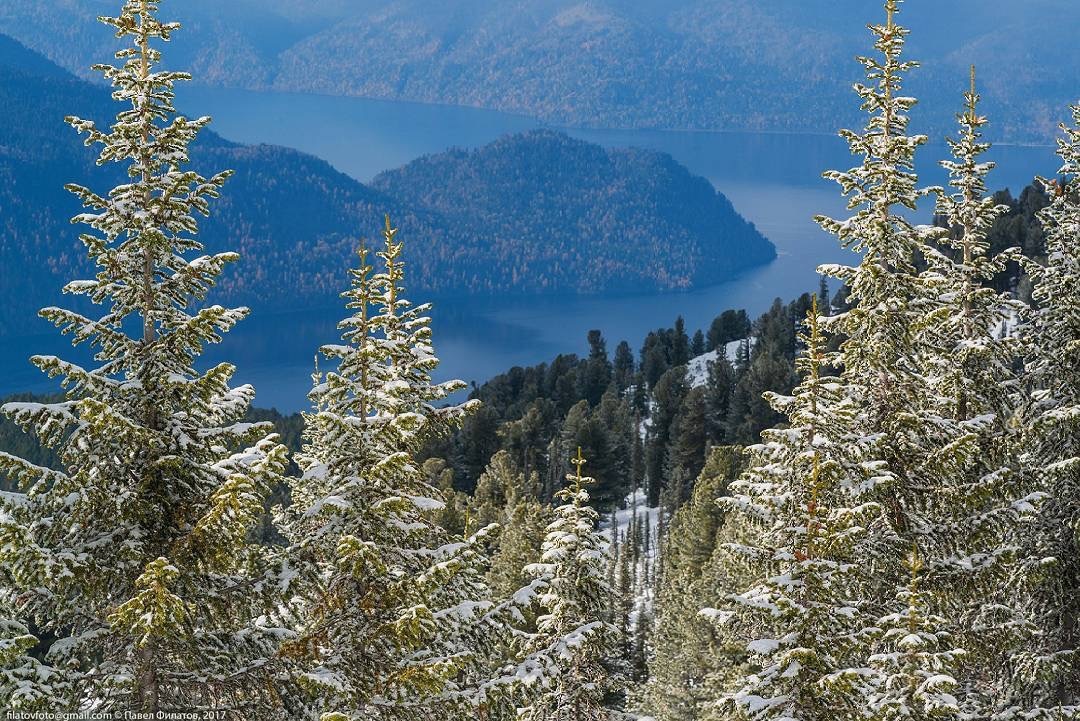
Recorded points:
(742, 355)
(823, 297)
(886, 302)
(480, 434)
(575, 645)
(680, 344)
(499, 482)
(668, 396)
(597, 374)
(1049, 677)
(588, 429)
(971, 439)
(526, 438)
(686, 451)
(686, 647)
(697, 344)
(878, 353)
(914, 676)
(623, 367)
(388, 606)
(134, 558)
(656, 356)
(803, 623)
(520, 545)
(719, 388)
(639, 648)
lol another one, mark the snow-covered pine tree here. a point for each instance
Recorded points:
(888, 360)
(801, 622)
(878, 355)
(390, 608)
(968, 433)
(134, 553)
(26, 684)
(1049, 677)
(973, 363)
(569, 667)
(914, 674)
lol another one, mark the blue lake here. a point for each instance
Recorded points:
(774, 180)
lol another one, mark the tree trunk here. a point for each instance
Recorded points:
(147, 679)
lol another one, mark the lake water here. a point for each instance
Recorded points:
(774, 180)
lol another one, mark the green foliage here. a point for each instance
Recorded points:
(128, 544)
(686, 650)
(570, 659)
(388, 612)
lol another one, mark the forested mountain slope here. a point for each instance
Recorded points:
(296, 221)
(716, 64)
(557, 206)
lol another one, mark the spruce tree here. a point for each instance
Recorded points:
(623, 367)
(915, 674)
(883, 360)
(802, 620)
(133, 557)
(26, 684)
(568, 666)
(597, 373)
(878, 355)
(970, 362)
(389, 608)
(686, 449)
(719, 389)
(697, 344)
(1049, 677)
(970, 438)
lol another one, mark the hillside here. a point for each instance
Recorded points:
(566, 213)
(691, 64)
(296, 220)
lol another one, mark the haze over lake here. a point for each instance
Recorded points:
(772, 179)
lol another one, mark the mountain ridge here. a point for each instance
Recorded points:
(684, 64)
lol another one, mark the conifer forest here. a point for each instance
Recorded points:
(860, 505)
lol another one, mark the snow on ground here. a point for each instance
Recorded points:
(636, 510)
(1008, 326)
(635, 505)
(646, 423)
(697, 370)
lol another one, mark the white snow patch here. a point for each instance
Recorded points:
(697, 370)
(635, 506)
